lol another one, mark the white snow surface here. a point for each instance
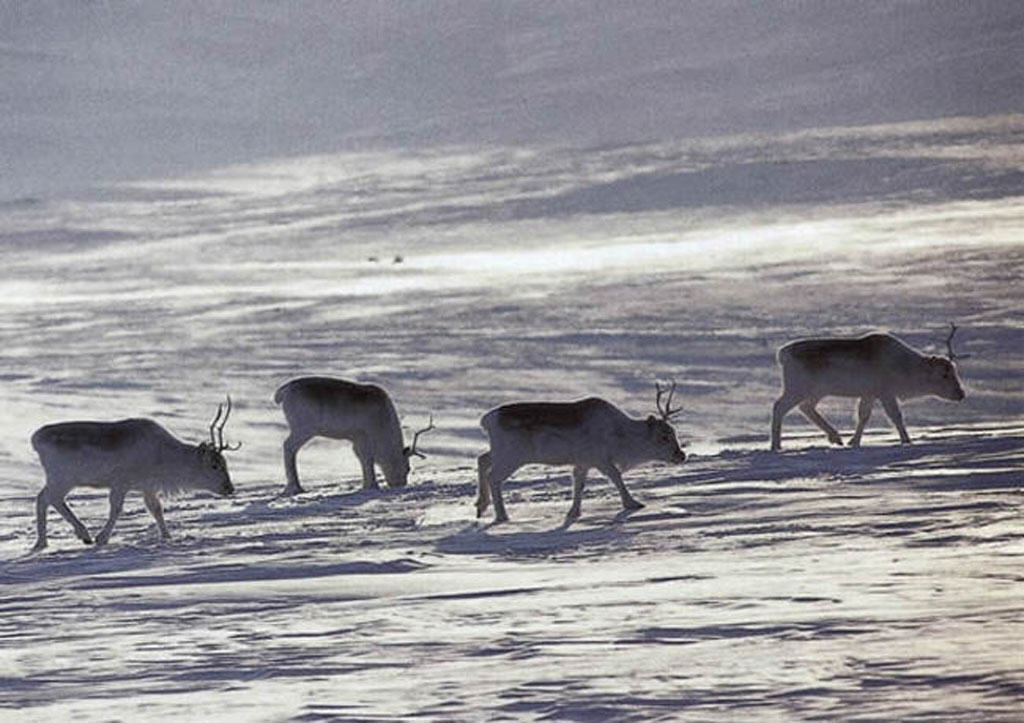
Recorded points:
(820, 583)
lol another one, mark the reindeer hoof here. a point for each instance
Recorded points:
(87, 541)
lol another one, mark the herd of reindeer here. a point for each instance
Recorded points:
(591, 433)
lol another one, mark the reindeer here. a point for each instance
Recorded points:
(873, 366)
(339, 409)
(585, 434)
(132, 454)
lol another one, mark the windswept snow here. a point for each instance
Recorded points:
(877, 583)
(113, 90)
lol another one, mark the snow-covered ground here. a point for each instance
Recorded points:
(877, 583)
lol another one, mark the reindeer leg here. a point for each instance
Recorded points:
(292, 444)
(864, 407)
(42, 503)
(808, 408)
(498, 474)
(483, 490)
(579, 481)
(155, 509)
(610, 471)
(61, 506)
(117, 495)
(362, 449)
(892, 409)
(369, 474)
(782, 405)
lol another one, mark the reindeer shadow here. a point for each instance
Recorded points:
(305, 504)
(931, 462)
(78, 562)
(503, 540)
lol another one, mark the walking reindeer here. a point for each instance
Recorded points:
(339, 409)
(873, 366)
(585, 434)
(132, 454)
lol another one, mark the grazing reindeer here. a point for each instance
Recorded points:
(874, 366)
(133, 454)
(584, 434)
(338, 409)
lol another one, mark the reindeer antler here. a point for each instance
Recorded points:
(213, 426)
(217, 430)
(416, 436)
(666, 412)
(951, 355)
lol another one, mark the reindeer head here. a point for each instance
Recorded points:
(660, 434)
(942, 377)
(215, 477)
(398, 475)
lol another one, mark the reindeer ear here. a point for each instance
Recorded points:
(651, 420)
(410, 452)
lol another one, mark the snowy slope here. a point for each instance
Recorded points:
(872, 584)
(107, 91)
(820, 583)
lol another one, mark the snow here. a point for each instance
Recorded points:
(874, 583)
(109, 91)
(798, 585)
